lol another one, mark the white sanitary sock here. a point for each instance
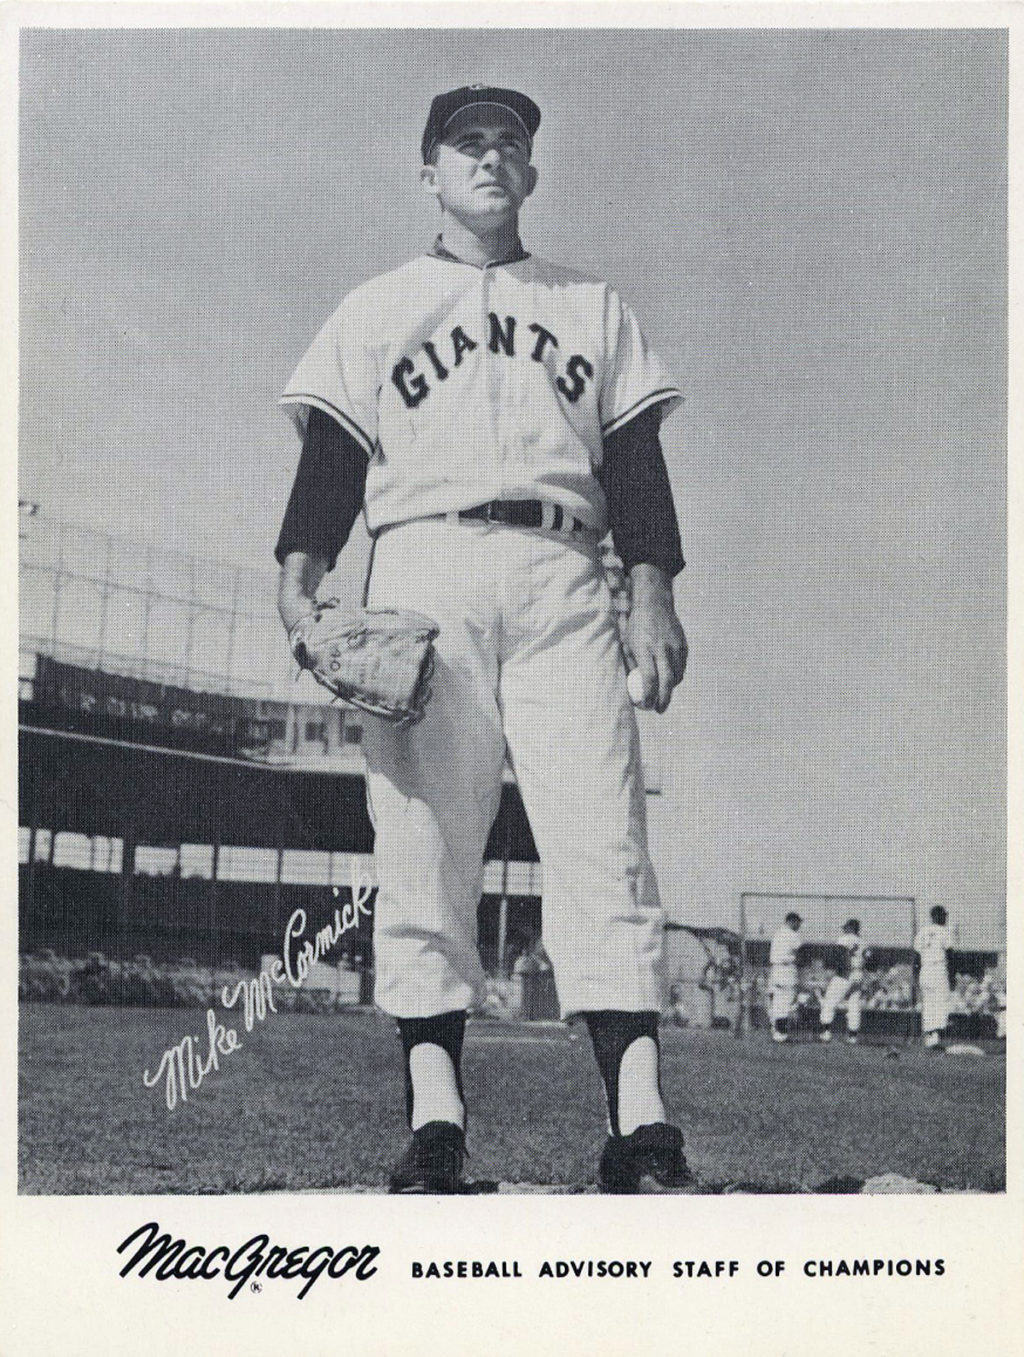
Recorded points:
(435, 1091)
(639, 1100)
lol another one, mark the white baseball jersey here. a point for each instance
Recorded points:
(467, 384)
(931, 945)
(784, 947)
(856, 949)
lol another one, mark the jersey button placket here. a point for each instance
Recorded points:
(493, 393)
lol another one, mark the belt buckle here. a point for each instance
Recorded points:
(493, 512)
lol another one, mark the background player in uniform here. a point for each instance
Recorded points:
(496, 414)
(932, 971)
(782, 974)
(845, 987)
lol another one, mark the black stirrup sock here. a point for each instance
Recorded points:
(445, 1030)
(613, 1031)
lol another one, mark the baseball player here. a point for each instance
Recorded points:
(932, 973)
(494, 415)
(782, 974)
(845, 988)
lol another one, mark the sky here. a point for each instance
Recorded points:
(810, 225)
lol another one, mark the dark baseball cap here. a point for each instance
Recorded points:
(794, 917)
(445, 106)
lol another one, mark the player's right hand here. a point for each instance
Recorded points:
(655, 641)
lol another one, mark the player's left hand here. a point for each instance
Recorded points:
(655, 641)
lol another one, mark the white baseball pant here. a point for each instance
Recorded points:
(528, 654)
(782, 980)
(841, 993)
(935, 998)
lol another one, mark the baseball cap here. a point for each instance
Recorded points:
(445, 106)
(794, 916)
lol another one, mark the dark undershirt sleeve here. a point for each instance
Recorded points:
(641, 512)
(327, 493)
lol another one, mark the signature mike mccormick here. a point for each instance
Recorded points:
(173, 1260)
(183, 1067)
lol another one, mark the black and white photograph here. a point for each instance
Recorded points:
(512, 655)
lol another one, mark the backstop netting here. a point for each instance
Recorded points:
(886, 921)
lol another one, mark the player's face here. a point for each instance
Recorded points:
(481, 171)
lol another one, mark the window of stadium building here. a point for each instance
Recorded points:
(72, 850)
(44, 846)
(106, 854)
(305, 867)
(79, 852)
(196, 860)
(155, 861)
(246, 864)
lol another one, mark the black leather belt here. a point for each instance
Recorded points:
(527, 513)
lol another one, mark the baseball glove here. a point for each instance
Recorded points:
(378, 660)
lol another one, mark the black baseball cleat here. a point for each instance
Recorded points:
(433, 1161)
(654, 1152)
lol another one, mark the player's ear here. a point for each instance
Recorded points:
(531, 179)
(428, 178)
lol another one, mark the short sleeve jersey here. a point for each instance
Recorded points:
(784, 947)
(931, 945)
(853, 961)
(467, 384)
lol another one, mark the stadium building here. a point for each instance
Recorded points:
(182, 790)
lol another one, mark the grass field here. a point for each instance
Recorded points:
(315, 1101)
